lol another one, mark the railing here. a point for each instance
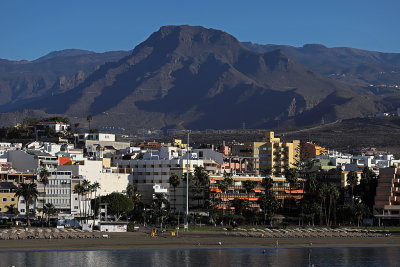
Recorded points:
(55, 186)
(57, 195)
(232, 195)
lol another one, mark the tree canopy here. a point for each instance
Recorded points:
(118, 204)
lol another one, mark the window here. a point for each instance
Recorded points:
(76, 207)
(4, 199)
(12, 199)
(76, 198)
(22, 210)
(23, 201)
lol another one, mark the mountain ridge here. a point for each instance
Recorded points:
(193, 77)
(354, 66)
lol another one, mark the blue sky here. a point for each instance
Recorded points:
(30, 29)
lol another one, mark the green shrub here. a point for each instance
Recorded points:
(131, 227)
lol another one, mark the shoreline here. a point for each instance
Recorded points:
(190, 240)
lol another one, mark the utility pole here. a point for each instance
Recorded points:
(187, 185)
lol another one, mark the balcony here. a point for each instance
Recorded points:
(231, 196)
(49, 162)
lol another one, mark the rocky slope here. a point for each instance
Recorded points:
(193, 77)
(51, 74)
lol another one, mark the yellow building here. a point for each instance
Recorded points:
(273, 154)
(7, 196)
(176, 143)
(278, 156)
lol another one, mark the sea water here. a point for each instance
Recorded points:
(381, 256)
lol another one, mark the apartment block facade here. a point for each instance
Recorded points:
(272, 154)
(60, 192)
(387, 199)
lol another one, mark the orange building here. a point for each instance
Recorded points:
(387, 199)
(280, 189)
(310, 150)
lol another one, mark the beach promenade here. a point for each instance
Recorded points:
(198, 239)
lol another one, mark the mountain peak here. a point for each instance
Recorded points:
(189, 35)
(314, 47)
(64, 53)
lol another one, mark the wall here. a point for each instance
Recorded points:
(10, 199)
(113, 182)
(92, 170)
(113, 228)
(22, 161)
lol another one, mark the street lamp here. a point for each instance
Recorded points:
(186, 226)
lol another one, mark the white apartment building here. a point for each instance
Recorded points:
(22, 206)
(5, 147)
(152, 176)
(110, 180)
(32, 160)
(82, 137)
(55, 125)
(60, 193)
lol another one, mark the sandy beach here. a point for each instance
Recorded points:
(192, 239)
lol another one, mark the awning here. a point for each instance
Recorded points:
(294, 191)
(217, 190)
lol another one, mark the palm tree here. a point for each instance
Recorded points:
(86, 187)
(352, 180)
(367, 187)
(266, 172)
(311, 184)
(223, 185)
(333, 195)
(248, 186)
(291, 176)
(267, 183)
(322, 193)
(361, 210)
(89, 118)
(203, 179)
(44, 179)
(11, 209)
(159, 202)
(94, 187)
(29, 192)
(76, 126)
(269, 204)
(132, 193)
(49, 209)
(79, 190)
(174, 181)
(240, 205)
(310, 209)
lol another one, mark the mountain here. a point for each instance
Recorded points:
(21, 81)
(378, 71)
(64, 53)
(193, 77)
